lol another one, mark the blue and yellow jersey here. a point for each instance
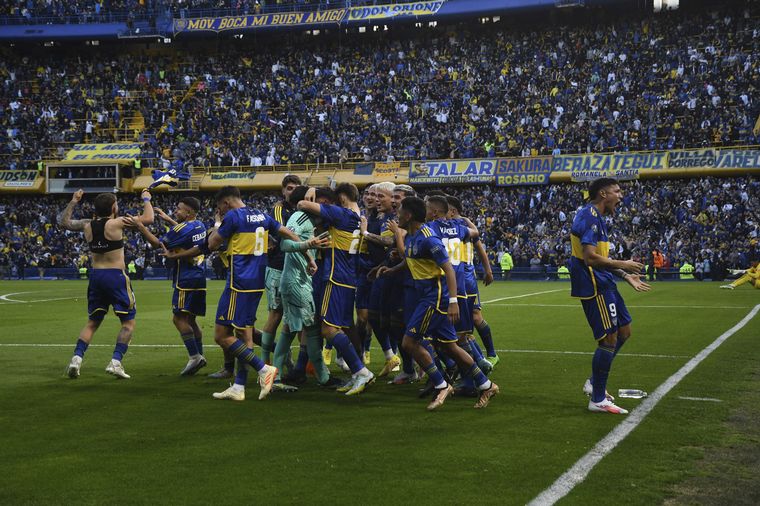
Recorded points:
(341, 264)
(188, 273)
(246, 232)
(370, 254)
(453, 235)
(425, 253)
(281, 212)
(588, 228)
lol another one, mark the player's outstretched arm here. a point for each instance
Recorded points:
(384, 270)
(310, 207)
(66, 221)
(147, 215)
(483, 255)
(134, 222)
(399, 234)
(632, 279)
(597, 261)
(472, 230)
(386, 241)
(168, 219)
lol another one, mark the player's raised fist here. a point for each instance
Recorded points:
(77, 196)
(146, 196)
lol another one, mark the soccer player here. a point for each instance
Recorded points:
(591, 278)
(751, 276)
(281, 212)
(453, 234)
(382, 304)
(435, 312)
(297, 295)
(340, 268)
(109, 285)
(367, 261)
(188, 275)
(246, 232)
(473, 295)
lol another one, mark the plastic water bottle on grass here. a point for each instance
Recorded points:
(629, 393)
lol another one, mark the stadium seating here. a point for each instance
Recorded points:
(468, 90)
(696, 220)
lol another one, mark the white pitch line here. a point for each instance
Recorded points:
(650, 307)
(580, 470)
(39, 300)
(563, 352)
(523, 295)
(705, 399)
(7, 298)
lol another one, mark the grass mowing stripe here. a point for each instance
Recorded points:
(578, 472)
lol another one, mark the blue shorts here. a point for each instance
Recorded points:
(377, 294)
(237, 309)
(427, 321)
(337, 308)
(473, 293)
(189, 301)
(606, 313)
(393, 296)
(410, 303)
(465, 324)
(363, 291)
(110, 287)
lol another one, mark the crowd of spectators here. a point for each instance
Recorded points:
(676, 80)
(694, 220)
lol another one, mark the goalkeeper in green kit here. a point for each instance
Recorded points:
(296, 293)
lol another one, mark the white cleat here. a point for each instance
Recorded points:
(342, 364)
(266, 380)
(74, 366)
(114, 367)
(588, 389)
(403, 378)
(234, 393)
(195, 363)
(606, 407)
(283, 387)
(361, 380)
(727, 287)
(348, 385)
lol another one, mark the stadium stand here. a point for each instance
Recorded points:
(696, 220)
(671, 81)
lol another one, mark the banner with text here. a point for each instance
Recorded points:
(393, 11)
(714, 158)
(623, 166)
(523, 171)
(259, 21)
(116, 152)
(452, 171)
(386, 171)
(18, 178)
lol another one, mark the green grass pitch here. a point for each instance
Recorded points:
(161, 439)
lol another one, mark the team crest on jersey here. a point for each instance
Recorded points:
(594, 228)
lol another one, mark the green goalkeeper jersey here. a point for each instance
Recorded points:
(294, 271)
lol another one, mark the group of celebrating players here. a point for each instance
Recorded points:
(402, 269)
